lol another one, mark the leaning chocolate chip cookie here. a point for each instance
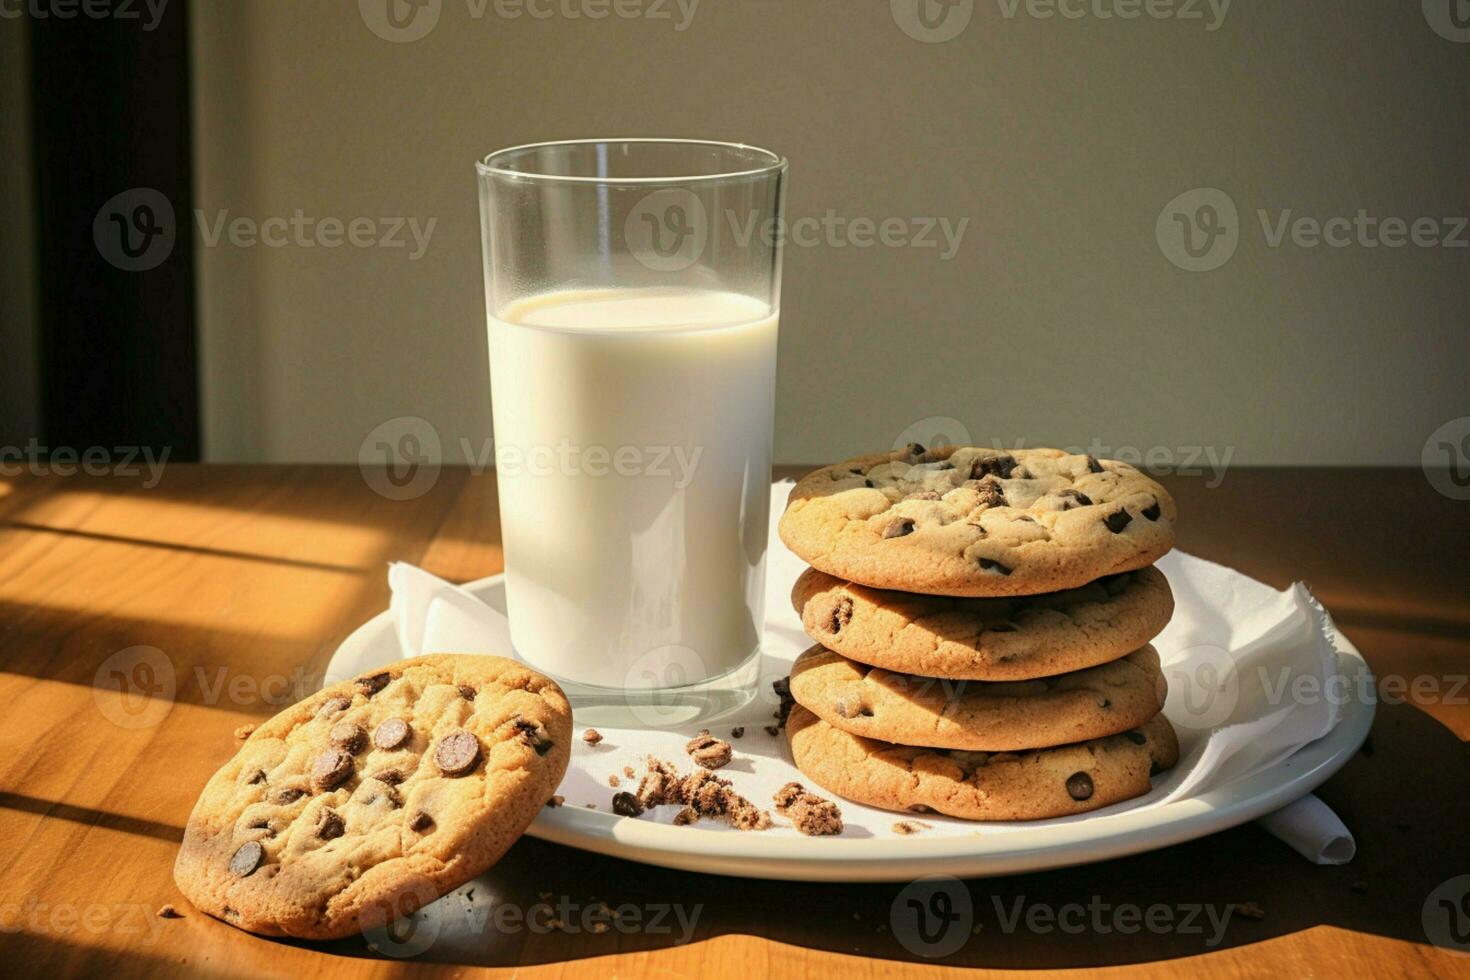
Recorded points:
(1054, 782)
(1008, 716)
(978, 522)
(375, 795)
(999, 639)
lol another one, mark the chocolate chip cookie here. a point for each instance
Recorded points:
(375, 795)
(978, 522)
(1000, 639)
(1053, 782)
(1007, 716)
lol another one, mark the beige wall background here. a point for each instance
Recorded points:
(1059, 319)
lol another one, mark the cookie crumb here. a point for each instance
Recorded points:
(772, 730)
(907, 827)
(592, 736)
(629, 773)
(244, 732)
(810, 814)
(1250, 910)
(555, 802)
(737, 732)
(708, 751)
(590, 806)
(614, 781)
(169, 912)
(701, 794)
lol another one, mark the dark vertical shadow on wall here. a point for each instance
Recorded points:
(110, 126)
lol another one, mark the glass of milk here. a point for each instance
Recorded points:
(633, 289)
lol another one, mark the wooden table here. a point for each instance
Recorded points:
(245, 579)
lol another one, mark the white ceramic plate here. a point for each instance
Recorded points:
(1029, 848)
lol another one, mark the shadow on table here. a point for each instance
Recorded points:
(1402, 796)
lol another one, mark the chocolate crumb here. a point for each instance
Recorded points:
(169, 912)
(590, 806)
(592, 736)
(737, 732)
(556, 801)
(782, 687)
(626, 805)
(772, 730)
(242, 733)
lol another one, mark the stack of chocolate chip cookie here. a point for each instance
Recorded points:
(982, 621)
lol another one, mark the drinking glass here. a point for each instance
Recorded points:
(633, 291)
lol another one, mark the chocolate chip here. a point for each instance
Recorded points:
(1105, 704)
(737, 732)
(990, 565)
(913, 450)
(1073, 498)
(992, 494)
(1001, 466)
(457, 753)
(1093, 466)
(869, 484)
(467, 692)
(899, 528)
(534, 735)
(421, 822)
(841, 615)
(372, 685)
(772, 730)
(288, 795)
(333, 705)
(1152, 511)
(247, 859)
(391, 734)
(258, 778)
(390, 776)
(329, 825)
(1137, 738)
(346, 736)
(1118, 520)
(1079, 786)
(626, 805)
(331, 769)
(924, 495)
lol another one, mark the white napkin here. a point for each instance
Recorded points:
(1238, 654)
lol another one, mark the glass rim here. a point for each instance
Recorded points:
(487, 165)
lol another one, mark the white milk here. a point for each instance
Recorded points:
(633, 449)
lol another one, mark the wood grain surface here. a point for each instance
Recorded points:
(140, 625)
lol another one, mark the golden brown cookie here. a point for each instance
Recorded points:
(1055, 782)
(977, 522)
(375, 795)
(1008, 716)
(998, 639)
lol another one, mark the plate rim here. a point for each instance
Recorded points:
(1102, 838)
